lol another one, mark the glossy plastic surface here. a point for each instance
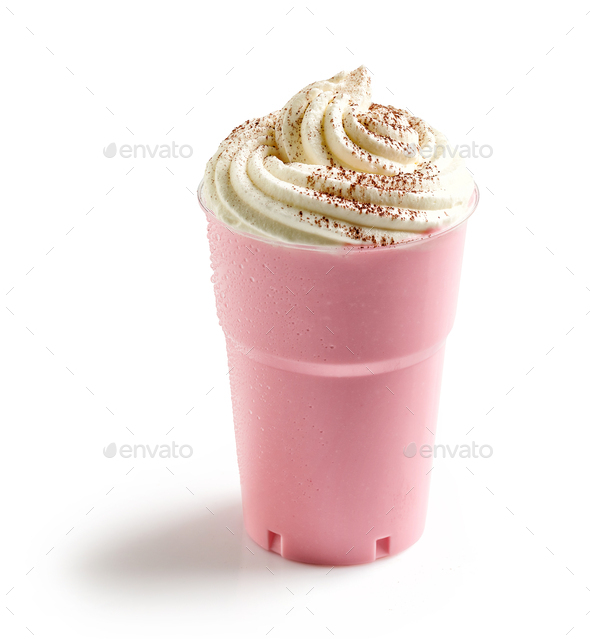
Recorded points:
(335, 362)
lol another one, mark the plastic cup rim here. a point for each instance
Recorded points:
(420, 238)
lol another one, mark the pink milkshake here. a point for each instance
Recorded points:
(336, 307)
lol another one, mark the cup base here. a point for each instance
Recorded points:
(368, 551)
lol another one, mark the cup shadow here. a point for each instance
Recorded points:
(200, 547)
(202, 551)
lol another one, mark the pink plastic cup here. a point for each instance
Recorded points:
(335, 358)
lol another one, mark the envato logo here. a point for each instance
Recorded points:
(144, 450)
(428, 151)
(464, 451)
(146, 151)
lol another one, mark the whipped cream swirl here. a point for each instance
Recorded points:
(332, 167)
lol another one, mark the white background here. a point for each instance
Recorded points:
(113, 337)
